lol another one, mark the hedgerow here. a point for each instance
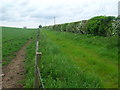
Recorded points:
(99, 25)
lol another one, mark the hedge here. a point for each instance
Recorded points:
(99, 25)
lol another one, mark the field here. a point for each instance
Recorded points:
(78, 61)
(12, 40)
(69, 60)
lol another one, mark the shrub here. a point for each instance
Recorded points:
(68, 27)
(57, 27)
(81, 27)
(100, 25)
(63, 27)
(116, 26)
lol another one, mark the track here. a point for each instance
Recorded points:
(14, 71)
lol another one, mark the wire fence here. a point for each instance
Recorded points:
(38, 80)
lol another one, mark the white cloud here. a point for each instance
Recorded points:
(31, 13)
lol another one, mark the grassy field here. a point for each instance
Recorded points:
(12, 40)
(69, 60)
(78, 61)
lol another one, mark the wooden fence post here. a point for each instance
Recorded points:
(38, 55)
(38, 80)
(37, 83)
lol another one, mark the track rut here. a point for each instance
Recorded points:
(14, 71)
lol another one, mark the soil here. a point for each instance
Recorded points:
(14, 71)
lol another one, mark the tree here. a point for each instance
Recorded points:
(40, 26)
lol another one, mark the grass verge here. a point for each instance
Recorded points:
(30, 63)
(60, 71)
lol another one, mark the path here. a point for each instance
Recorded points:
(14, 71)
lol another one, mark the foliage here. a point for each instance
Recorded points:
(116, 26)
(69, 27)
(63, 27)
(57, 27)
(72, 27)
(40, 26)
(100, 25)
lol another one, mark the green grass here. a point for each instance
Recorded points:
(12, 40)
(29, 64)
(68, 60)
(74, 60)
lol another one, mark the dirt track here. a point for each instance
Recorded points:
(14, 71)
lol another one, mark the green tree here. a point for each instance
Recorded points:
(40, 26)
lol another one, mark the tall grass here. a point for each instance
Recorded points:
(29, 65)
(98, 56)
(59, 71)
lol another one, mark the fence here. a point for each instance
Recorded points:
(38, 80)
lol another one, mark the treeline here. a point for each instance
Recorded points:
(99, 25)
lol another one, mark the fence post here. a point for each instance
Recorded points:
(38, 55)
(38, 83)
(38, 80)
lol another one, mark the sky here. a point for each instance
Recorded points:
(32, 13)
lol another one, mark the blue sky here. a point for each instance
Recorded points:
(31, 13)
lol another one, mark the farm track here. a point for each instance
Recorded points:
(14, 71)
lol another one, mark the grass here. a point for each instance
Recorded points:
(69, 60)
(29, 65)
(59, 71)
(73, 60)
(12, 40)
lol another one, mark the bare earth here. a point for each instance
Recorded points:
(14, 71)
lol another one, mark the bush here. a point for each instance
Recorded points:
(116, 26)
(57, 27)
(75, 26)
(63, 27)
(81, 27)
(70, 27)
(100, 25)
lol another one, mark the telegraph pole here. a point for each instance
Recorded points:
(54, 20)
